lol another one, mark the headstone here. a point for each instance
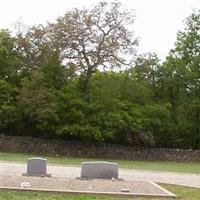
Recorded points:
(37, 167)
(99, 169)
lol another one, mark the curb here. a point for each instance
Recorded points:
(116, 194)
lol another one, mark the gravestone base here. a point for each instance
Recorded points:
(39, 175)
(85, 179)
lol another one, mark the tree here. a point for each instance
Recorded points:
(56, 75)
(179, 83)
(34, 46)
(187, 50)
(9, 114)
(8, 57)
(145, 72)
(117, 101)
(38, 105)
(38, 52)
(96, 38)
(145, 67)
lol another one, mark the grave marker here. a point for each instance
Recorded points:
(37, 167)
(99, 169)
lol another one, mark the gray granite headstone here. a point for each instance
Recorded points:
(37, 167)
(99, 169)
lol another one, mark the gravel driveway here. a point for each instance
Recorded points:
(185, 179)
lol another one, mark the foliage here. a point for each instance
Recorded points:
(67, 80)
(37, 103)
(95, 38)
(9, 113)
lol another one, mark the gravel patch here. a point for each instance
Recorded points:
(93, 185)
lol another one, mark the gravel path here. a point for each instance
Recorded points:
(185, 179)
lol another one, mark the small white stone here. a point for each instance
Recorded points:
(25, 184)
(113, 179)
(124, 190)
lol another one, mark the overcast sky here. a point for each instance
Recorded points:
(156, 23)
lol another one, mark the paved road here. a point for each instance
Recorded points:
(184, 179)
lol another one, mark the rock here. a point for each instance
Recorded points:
(124, 190)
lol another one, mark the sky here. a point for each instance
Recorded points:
(156, 24)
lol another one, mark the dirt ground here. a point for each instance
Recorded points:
(93, 185)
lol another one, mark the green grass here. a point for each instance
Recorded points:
(147, 165)
(183, 193)
(13, 195)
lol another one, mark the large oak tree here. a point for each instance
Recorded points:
(97, 38)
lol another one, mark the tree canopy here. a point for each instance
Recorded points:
(67, 80)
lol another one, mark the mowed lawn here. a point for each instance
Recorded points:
(183, 193)
(131, 164)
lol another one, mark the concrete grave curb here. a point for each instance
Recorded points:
(115, 194)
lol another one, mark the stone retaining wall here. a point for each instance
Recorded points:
(78, 149)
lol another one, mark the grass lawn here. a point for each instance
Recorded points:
(148, 165)
(183, 193)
